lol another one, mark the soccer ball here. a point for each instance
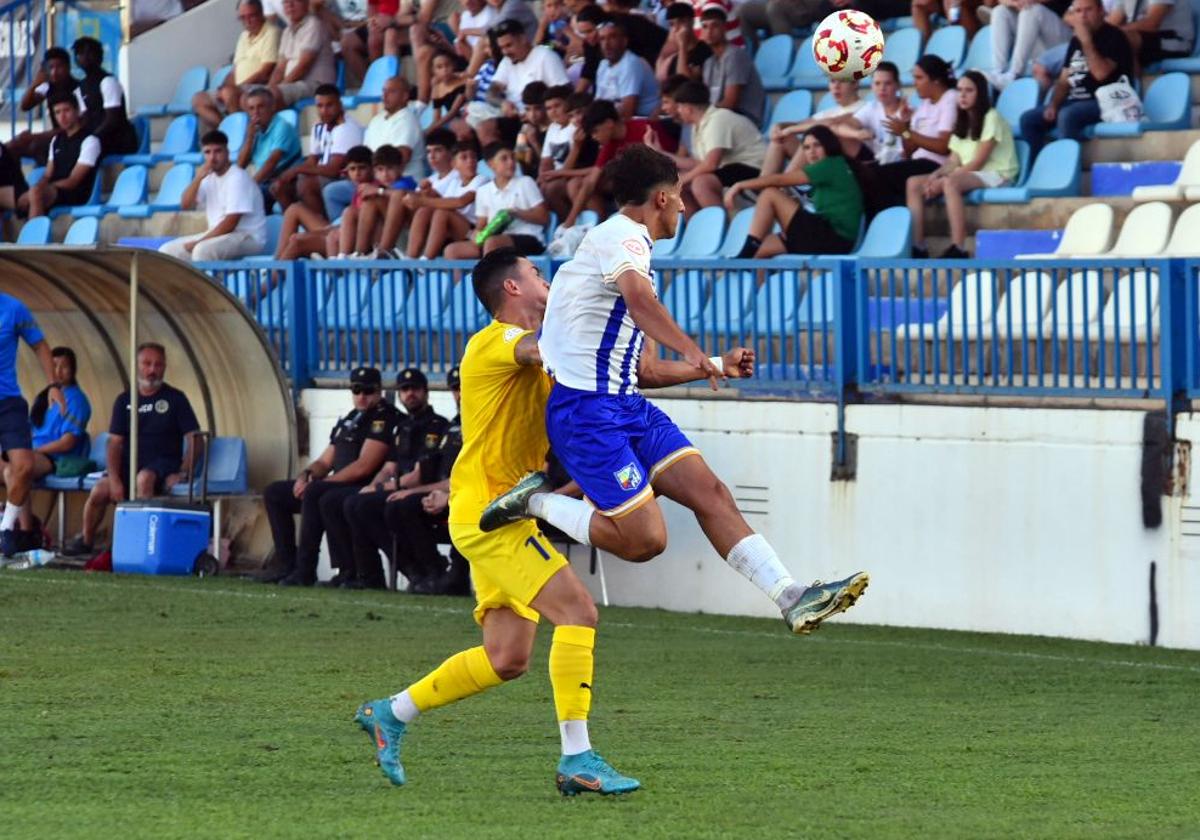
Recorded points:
(848, 45)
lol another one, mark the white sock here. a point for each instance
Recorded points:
(575, 738)
(571, 516)
(11, 512)
(756, 561)
(404, 708)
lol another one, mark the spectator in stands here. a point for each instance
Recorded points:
(397, 212)
(1022, 29)
(448, 216)
(233, 203)
(375, 36)
(332, 136)
(357, 236)
(830, 227)
(523, 63)
(272, 144)
(733, 25)
(779, 17)
(448, 92)
(420, 433)
(305, 61)
(167, 449)
(584, 53)
(624, 78)
(726, 148)
(683, 49)
(785, 137)
(358, 446)
(646, 38)
(612, 134)
(59, 433)
(958, 12)
(425, 36)
(567, 153)
(552, 25)
(510, 196)
(1098, 54)
(1156, 30)
(867, 127)
(470, 24)
(982, 154)
(71, 171)
(320, 237)
(560, 132)
(534, 124)
(732, 79)
(103, 99)
(254, 60)
(924, 135)
(54, 76)
(12, 180)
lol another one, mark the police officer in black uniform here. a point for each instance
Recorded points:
(373, 512)
(358, 446)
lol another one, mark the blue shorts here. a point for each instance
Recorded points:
(612, 445)
(15, 431)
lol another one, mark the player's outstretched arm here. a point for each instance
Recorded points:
(656, 322)
(654, 372)
(527, 352)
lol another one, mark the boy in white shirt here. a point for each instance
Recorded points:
(448, 216)
(515, 194)
(401, 204)
(237, 226)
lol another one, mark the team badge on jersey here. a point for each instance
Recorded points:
(162, 406)
(629, 477)
(635, 246)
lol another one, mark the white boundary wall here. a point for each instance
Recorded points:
(987, 519)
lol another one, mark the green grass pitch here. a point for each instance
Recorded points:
(139, 707)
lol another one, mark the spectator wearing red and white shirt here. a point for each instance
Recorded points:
(733, 23)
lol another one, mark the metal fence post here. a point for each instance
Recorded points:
(846, 354)
(1173, 312)
(299, 317)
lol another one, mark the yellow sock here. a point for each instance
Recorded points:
(571, 671)
(466, 673)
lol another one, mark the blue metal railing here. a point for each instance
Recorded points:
(22, 41)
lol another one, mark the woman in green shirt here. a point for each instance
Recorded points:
(830, 227)
(982, 154)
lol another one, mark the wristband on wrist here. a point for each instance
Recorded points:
(718, 363)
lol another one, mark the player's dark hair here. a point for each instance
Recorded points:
(151, 345)
(673, 84)
(60, 97)
(327, 90)
(57, 54)
(691, 93)
(889, 67)
(593, 15)
(598, 112)
(443, 137)
(489, 275)
(714, 13)
(358, 154)
(681, 11)
(387, 155)
(534, 93)
(214, 138)
(562, 92)
(969, 123)
(41, 403)
(937, 69)
(637, 172)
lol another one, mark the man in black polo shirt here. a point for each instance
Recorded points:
(71, 170)
(165, 420)
(358, 446)
(419, 447)
(104, 100)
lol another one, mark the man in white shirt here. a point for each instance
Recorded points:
(237, 226)
(398, 125)
(305, 55)
(624, 78)
(333, 136)
(523, 63)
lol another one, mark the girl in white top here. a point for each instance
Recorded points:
(512, 192)
(447, 218)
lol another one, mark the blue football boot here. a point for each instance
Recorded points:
(821, 600)
(375, 716)
(587, 772)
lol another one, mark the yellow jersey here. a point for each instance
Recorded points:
(503, 415)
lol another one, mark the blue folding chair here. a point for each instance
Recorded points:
(227, 469)
(85, 231)
(193, 81)
(1020, 96)
(128, 191)
(793, 107)
(1056, 172)
(979, 54)
(169, 197)
(219, 77)
(1167, 105)
(380, 71)
(773, 61)
(36, 231)
(949, 43)
(179, 140)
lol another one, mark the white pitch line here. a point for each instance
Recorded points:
(758, 634)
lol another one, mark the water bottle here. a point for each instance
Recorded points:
(495, 224)
(29, 560)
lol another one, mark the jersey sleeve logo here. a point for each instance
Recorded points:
(635, 247)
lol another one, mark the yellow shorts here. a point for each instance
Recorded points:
(509, 566)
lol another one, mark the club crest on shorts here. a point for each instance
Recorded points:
(629, 477)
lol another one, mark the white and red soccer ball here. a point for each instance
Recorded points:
(848, 45)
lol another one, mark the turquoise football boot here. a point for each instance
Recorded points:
(821, 600)
(587, 772)
(512, 506)
(375, 716)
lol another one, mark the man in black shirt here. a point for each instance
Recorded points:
(166, 448)
(377, 515)
(1098, 54)
(104, 100)
(357, 448)
(74, 155)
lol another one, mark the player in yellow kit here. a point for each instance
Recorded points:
(518, 575)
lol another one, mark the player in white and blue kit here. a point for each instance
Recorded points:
(16, 435)
(597, 341)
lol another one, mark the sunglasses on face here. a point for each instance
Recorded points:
(363, 389)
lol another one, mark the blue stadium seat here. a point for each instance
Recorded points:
(805, 73)
(227, 469)
(36, 231)
(702, 237)
(380, 71)
(1168, 106)
(290, 116)
(794, 106)
(94, 198)
(219, 77)
(902, 48)
(128, 191)
(1189, 64)
(85, 231)
(889, 236)
(193, 81)
(892, 24)
(1020, 96)
(234, 126)
(773, 61)
(426, 117)
(948, 42)
(98, 452)
(169, 195)
(979, 54)
(35, 175)
(588, 217)
(1056, 172)
(1023, 159)
(735, 236)
(666, 247)
(179, 140)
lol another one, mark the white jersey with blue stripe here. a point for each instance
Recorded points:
(588, 340)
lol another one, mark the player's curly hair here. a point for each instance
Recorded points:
(637, 172)
(489, 275)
